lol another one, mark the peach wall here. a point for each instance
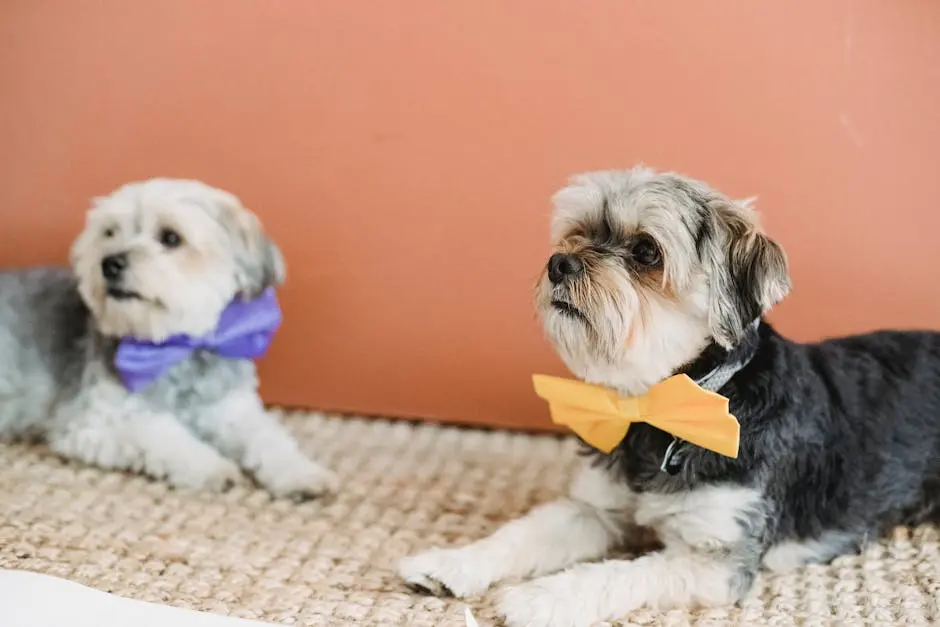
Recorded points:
(402, 153)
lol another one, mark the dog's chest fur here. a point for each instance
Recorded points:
(199, 381)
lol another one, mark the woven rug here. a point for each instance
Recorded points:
(406, 487)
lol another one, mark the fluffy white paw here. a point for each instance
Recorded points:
(446, 572)
(208, 473)
(548, 602)
(298, 480)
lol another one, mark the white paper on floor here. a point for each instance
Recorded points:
(34, 600)
(468, 616)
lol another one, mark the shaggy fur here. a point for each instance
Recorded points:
(185, 250)
(656, 274)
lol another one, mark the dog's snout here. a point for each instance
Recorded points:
(113, 265)
(561, 265)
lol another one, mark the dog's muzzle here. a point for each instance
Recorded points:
(112, 269)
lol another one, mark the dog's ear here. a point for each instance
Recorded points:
(748, 270)
(259, 262)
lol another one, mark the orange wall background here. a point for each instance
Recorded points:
(402, 154)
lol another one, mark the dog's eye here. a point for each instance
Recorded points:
(170, 238)
(108, 233)
(645, 252)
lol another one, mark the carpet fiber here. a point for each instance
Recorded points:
(332, 563)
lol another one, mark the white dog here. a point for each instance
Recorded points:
(140, 358)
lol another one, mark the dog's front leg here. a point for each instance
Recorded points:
(109, 429)
(243, 430)
(550, 537)
(714, 538)
(591, 593)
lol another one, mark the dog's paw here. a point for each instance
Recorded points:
(546, 602)
(446, 572)
(299, 480)
(209, 473)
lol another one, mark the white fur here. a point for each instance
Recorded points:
(118, 431)
(202, 422)
(191, 295)
(243, 430)
(590, 593)
(583, 527)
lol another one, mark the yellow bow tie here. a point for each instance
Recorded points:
(676, 405)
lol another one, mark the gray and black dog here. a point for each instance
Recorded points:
(655, 274)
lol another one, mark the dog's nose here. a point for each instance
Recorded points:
(561, 265)
(113, 265)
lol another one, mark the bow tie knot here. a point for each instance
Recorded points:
(628, 406)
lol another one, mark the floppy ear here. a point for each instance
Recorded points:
(748, 271)
(259, 263)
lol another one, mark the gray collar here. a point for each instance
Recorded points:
(716, 379)
(712, 381)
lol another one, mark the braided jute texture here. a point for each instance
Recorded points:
(406, 487)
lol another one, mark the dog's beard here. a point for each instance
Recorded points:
(147, 319)
(584, 323)
(625, 337)
(588, 326)
(134, 317)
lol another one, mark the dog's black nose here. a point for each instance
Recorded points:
(561, 265)
(113, 265)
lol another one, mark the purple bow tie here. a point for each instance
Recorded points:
(244, 331)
